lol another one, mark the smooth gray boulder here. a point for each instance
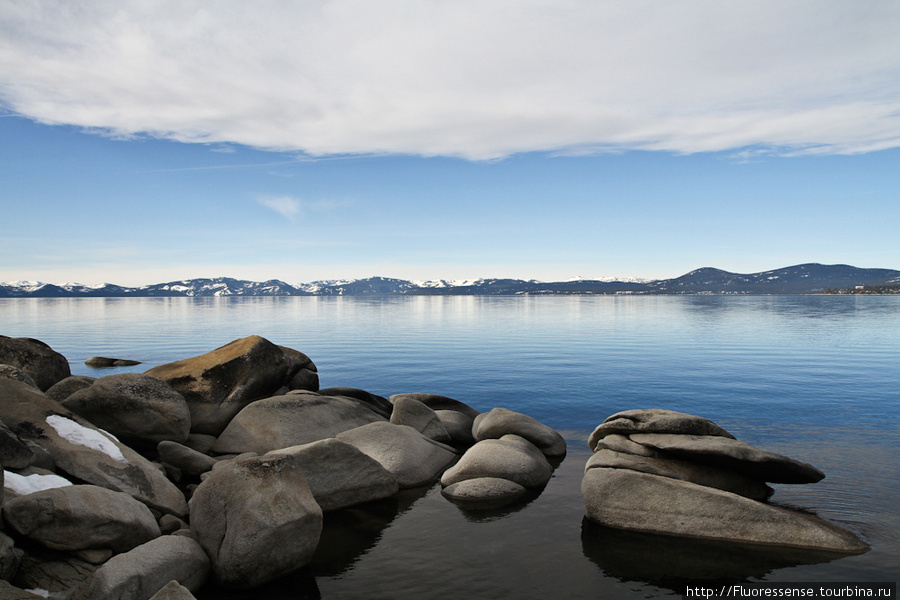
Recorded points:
(377, 403)
(77, 517)
(437, 402)
(708, 475)
(654, 420)
(404, 452)
(620, 443)
(511, 457)
(187, 460)
(501, 421)
(409, 411)
(44, 365)
(143, 572)
(84, 451)
(340, 475)
(138, 409)
(257, 520)
(292, 420)
(64, 388)
(218, 384)
(626, 499)
(484, 493)
(458, 426)
(731, 454)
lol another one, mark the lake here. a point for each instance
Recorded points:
(814, 377)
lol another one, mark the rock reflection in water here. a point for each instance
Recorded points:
(672, 562)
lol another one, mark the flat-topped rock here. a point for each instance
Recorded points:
(708, 475)
(627, 499)
(484, 493)
(732, 454)
(654, 420)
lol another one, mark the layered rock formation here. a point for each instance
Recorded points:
(664, 472)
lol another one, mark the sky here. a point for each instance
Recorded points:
(153, 141)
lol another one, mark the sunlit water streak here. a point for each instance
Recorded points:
(813, 377)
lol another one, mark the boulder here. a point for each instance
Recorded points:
(143, 572)
(292, 420)
(64, 388)
(84, 451)
(339, 475)
(81, 516)
(619, 443)
(731, 454)
(10, 557)
(14, 453)
(409, 411)
(511, 457)
(44, 365)
(58, 573)
(436, 402)
(11, 372)
(257, 520)
(100, 362)
(187, 461)
(139, 409)
(458, 426)
(218, 384)
(501, 421)
(655, 420)
(407, 454)
(708, 475)
(173, 591)
(484, 493)
(626, 499)
(379, 404)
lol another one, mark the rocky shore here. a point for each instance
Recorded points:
(219, 468)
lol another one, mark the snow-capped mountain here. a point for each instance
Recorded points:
(798, 279)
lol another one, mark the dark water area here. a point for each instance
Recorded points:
(814, 377)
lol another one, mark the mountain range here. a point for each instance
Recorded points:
(810, 278)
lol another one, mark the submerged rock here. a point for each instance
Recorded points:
(484, 493)
(99, 362)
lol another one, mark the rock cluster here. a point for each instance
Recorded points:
(664, 472)
(219, 467)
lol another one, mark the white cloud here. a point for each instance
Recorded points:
(473, 78)
(286, 206)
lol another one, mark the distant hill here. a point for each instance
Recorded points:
(811, 278)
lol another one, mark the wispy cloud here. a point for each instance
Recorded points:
(479, 79)
(286, 206)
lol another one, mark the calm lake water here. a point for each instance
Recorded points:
(813, 377)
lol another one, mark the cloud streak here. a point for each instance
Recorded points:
(475, 79)
(286, 206)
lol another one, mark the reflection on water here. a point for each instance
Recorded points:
(673, 562)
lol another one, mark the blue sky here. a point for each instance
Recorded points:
(150, 142)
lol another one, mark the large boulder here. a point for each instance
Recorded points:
(340, 475)
(44, 365)
(708, 475)
(626, 499)
(511, 457)
(14, 453)
(409, 411)
(291, 420)
(654, 420)
(218, 384)
(11, 372)
(60, 574)
(188, 461)
(407, 454)
(139, 409)
(257, 520)
(84, 451)
(142, 572)
(81, 516)
(501, 421)
(377, 403)
(731, 454)
(64, 388)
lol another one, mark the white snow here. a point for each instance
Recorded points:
(77, 434)
(39, 592)
(28, 484)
